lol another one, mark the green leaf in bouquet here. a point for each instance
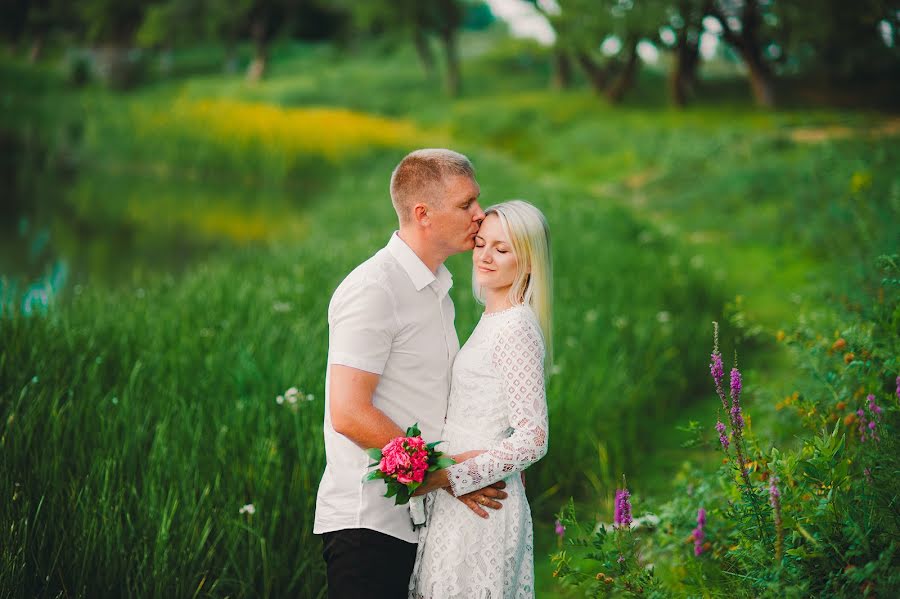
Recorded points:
(375, 454)
(443, 462)
(402, 496)
(393, 490)
(431, 446)
(375, 474)
(413, 431)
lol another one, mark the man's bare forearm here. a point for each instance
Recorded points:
(367, 426)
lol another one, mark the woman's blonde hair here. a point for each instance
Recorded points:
(533, 286)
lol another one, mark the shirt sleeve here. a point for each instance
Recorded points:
(518, 356)
(362, 323)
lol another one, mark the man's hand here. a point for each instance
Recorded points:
(488, 497)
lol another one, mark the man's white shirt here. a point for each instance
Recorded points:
(393, 317)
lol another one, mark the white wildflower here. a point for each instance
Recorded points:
(590, 316)
(663, 316)
(248, 509)
(279, 400)
(281, 307)
(310, 397)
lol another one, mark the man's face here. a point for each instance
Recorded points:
(456, 222)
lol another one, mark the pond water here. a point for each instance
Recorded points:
(63, 224)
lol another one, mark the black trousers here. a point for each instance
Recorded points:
(364, 564)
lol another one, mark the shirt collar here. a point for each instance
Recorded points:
(420, 275)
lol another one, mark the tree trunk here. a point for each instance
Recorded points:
(37, 49)
(423, 50)
(562, 69)
(448, 36)
(625, 81)
(746, 43)
(760, 80)
(683, 77)
(597, 75)
(257, 67)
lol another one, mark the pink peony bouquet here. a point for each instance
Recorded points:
(403, 462)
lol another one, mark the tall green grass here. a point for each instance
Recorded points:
(138, 417)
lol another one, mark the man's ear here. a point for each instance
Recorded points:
(420, 214)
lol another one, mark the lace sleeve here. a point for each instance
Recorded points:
(518, 356)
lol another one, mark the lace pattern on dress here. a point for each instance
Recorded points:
(517, 354)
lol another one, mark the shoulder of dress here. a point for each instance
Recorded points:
(520, 323)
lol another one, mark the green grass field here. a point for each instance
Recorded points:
(203, 223)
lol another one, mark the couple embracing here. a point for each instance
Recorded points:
(394, 360)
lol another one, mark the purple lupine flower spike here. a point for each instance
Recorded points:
(723, 438)
(775, 502)
(718, 373)
(622, 515)
(737, 418)
(698, 533)
(715, 367)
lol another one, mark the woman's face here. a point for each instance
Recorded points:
(493, 257)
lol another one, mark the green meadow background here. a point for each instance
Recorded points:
(168, 254)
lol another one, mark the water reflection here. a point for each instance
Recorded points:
(102, 225)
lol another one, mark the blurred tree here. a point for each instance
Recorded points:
(34, 21)
(615, 27)
(225, 20)
(421, 19)
(747, 27)
(562, 50)
(112, 22)
(845, 40)
(681, 34)
(184, 22)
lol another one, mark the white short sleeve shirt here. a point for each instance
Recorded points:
(393, 317)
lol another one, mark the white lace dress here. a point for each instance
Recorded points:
(497, 403)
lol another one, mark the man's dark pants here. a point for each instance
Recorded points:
(363, 563)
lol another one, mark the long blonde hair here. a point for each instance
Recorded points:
(533, 286)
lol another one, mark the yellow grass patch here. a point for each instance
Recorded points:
(331, 133)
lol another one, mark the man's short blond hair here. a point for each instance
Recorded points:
(422, 176)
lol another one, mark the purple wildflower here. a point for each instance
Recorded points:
(622, 516)
(861, 429)
(715, 367)
(775, 502)
(774, 493)
(560, 529)
(898, 387)
(735, 384)
(737, 419)
(873, 407)
(697, 534)
(717, 371)
(875, 412)
(723, 439)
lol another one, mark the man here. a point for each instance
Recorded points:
(391, 345)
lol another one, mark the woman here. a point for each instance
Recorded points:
(498, 405)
